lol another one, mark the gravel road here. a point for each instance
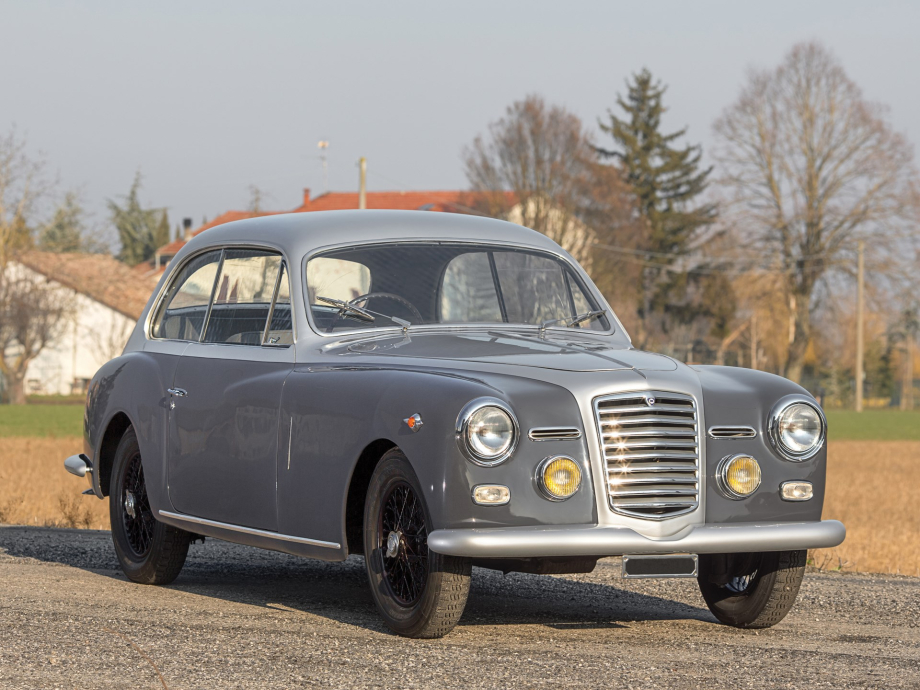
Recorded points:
(243, 618)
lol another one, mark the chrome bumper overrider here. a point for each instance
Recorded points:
(592, 540)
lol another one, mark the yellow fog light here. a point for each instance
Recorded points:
(738, 476)
(796, 491)
(558, 477)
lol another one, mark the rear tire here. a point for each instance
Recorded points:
(754, 590)
(149, 552)
(419, 593)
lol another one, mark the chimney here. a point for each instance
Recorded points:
(187, 229)
(306, 196)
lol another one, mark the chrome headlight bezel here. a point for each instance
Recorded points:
(463, 425)
(775, 435)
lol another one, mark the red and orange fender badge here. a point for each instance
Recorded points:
(414, 422)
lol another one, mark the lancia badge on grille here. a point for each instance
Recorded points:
(650, 401)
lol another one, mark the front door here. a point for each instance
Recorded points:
(223, 437)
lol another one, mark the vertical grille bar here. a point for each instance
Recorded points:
(651, 449)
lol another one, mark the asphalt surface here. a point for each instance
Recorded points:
(243, 618)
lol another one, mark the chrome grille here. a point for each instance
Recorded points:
(650, 445)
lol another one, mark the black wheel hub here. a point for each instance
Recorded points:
(136, 515)
(403, 543)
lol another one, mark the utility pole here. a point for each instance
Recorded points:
(362, 184)
(322, 146)
(860, 348)
(907, 385)
(860, 281)
(754, 340)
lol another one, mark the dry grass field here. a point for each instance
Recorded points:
(36, 490)
(874, 488)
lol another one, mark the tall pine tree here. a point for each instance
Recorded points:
(65, 231)
(666, 181)
(141, 230)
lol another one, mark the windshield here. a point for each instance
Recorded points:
(439, 283)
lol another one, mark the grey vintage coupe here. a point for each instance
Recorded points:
(437, 391)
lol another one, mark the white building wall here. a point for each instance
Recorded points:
(91, 334)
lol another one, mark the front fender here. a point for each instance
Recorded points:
(132, 386)
(335, 413)
(734, 396)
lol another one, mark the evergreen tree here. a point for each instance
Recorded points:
(65, 231)
(141, 230)
(666, 182)
(161, 236)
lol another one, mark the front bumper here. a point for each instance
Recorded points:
(592, 540)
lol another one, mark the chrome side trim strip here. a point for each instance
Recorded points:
(592, 540)
(250, 530)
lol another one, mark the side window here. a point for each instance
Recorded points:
(468, 291)
(185, 305)
(583, 305)
(281, 328)
(533, 287)
(243, 298)
(339, 279)
(336, 278)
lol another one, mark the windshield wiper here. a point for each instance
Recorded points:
(572, 320)
(347, 308)
(361, 313)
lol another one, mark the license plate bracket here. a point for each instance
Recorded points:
(660, 566)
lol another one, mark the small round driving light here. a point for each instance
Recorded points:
(738, 476)
(558, 477)
(487, 431)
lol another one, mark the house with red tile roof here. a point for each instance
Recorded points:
(443, 201)
(104, 299)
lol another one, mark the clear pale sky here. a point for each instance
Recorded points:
(208, 98)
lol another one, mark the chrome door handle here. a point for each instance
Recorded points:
(178, 392)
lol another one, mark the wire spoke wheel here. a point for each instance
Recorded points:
(741, 583)
(136, 515)
(403, 537)
(751, 590)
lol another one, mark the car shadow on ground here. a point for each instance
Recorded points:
(339, 591)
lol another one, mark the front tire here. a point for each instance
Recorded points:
(419, 593)
(149, 552)
(754, 590)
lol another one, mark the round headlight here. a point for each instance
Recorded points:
(558, 477)
(797, 430)
(738, 476)
(487, 431)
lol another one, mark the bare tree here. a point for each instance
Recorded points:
(543, 156)
(21, 184)
(811, 167)
(109, 343)
(32, 314)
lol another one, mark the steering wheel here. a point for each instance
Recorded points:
(389, 295)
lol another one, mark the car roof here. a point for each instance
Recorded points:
(300, 233)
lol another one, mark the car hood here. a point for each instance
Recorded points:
(514, 349)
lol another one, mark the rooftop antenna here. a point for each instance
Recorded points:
(322, 146)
